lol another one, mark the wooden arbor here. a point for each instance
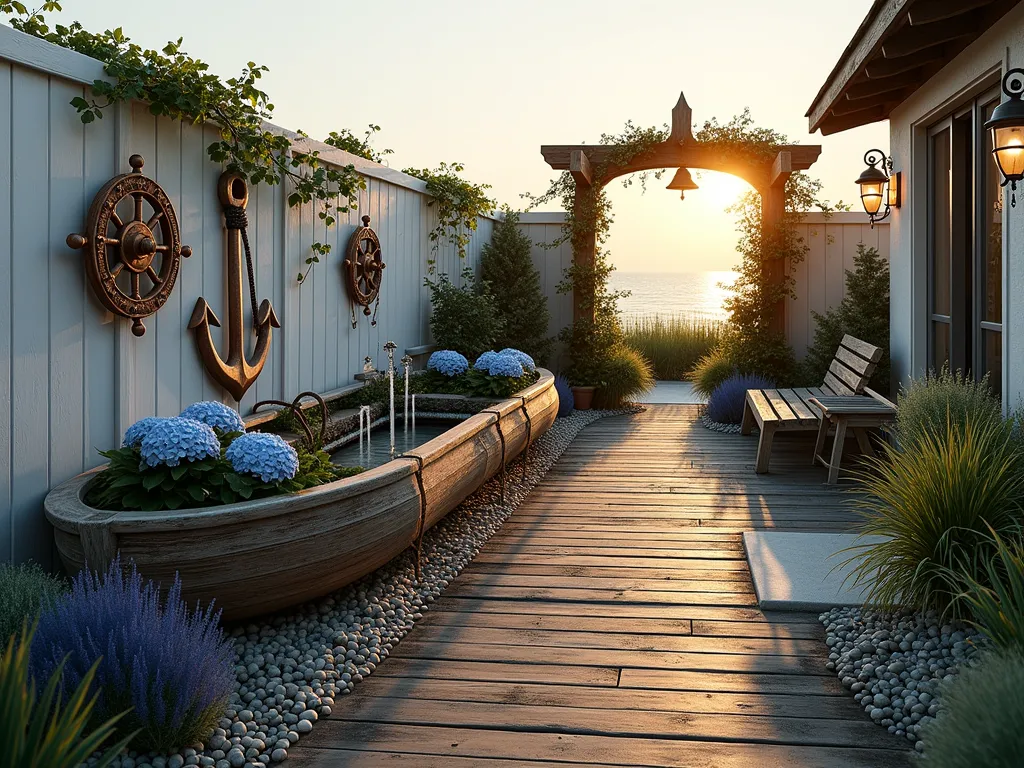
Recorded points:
(592, 168)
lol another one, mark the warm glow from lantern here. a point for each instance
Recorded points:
(871, 194)
(1009, 150)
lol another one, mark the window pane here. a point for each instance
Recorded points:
(941, 220)
(992, 257)
(940, 348)
(992, 353)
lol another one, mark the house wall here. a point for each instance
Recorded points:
(976, 70)
(72, 376)
(820, 279)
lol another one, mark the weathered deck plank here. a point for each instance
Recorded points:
(612, 621)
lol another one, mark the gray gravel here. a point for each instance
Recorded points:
(896, 663)
(293, 667)
(717, 426)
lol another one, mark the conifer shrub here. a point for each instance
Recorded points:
(462, 319)
(863, 313)
(513, 283)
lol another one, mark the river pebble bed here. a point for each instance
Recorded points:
(896, 664)
(717, 426)
(293, 668)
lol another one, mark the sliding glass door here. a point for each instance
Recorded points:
(965, 246)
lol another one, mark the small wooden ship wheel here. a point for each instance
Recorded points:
(132, 245)
(364, 266)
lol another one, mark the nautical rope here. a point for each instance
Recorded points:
(501, 437)
(418, 539)
(235, 218)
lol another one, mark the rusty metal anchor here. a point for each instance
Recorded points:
(238, 372)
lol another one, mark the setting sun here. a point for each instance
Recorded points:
(719, 189)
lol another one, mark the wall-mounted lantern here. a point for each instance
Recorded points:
(1007, 126)
(878, 186)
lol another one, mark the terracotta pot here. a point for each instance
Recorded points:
(583, 397)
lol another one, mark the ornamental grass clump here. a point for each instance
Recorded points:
(936, 505)
(980, 721)
(928, 404)
(25, 590)
(50, 728)
(711, 370)
(625, 375)
(673, 344)
(725, 406)
(996, 603)
(172, 666)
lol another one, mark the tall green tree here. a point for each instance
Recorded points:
(863, 313)
(513, 283)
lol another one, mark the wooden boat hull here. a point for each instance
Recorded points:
(265, 555)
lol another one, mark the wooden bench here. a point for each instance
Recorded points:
(791, 410)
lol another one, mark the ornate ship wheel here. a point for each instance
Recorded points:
(364, 267)
(131, 269)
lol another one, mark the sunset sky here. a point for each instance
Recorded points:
(486, 84)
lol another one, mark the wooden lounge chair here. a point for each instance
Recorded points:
(790, 410)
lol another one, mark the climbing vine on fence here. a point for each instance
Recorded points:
(591, 340)
(754, 348)
(180, 87)
(459, 203)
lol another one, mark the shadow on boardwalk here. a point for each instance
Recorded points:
(612, 621)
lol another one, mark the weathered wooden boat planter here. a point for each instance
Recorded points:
(261, 556)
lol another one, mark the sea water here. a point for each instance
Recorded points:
(695, 294)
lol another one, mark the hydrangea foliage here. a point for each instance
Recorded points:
(263, 455)
(171, 441)
(449, 362)
(216, 415)
(173, 667)
(524, 359)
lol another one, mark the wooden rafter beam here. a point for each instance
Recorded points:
(940, 10)
(669, 154)
(839, 123)
(911, 40)
(883, 68)
(782, 169)
(579, 167)
(879, 86)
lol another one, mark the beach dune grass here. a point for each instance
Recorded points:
(672, 343)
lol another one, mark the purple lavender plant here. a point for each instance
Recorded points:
(725, 406)
(172, 666)
(566, 401)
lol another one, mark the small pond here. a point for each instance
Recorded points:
(379, 450)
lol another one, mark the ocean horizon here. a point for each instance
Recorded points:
(692, 294)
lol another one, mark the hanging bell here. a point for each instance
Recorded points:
(682, 181)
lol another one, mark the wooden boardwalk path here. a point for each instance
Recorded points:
(612, 621)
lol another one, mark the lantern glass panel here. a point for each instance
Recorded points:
(871, 195)
(1009, 150)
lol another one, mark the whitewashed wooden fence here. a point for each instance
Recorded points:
(544, 229)
(821, 277)
(73, 377)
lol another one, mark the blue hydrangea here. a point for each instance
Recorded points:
(526, 361)
(449, 362)
(216, 415)
(134, 434)
(172, 441)
(483, 363)
(505, 365)
(263, 455)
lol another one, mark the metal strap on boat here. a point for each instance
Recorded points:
(529, 437)
(418, 540)
(501, 436)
